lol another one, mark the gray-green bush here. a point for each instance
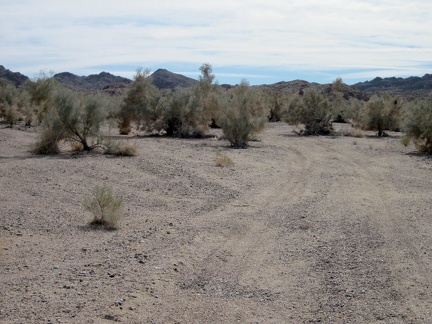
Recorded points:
(190, 112)
(313, 111)
(382, 112)
(417, 124)
(140, 104)
(75, 118)
(41, 94)
(278, 102)
(181, 112)
(244, 114)
(8, 93)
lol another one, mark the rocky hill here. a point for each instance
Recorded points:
(412, 86)
(92, 82)
(164, 79)
(14, 77)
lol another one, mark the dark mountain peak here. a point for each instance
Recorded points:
(14, 77)
(161, 71)
(66, 75)
(164, 79)
(92, 82)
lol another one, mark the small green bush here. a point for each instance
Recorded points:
(105, 207)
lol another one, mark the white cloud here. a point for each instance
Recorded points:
(305, 35)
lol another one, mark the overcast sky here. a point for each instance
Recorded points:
(261, 41)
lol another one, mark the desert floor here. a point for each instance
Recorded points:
(325, 229)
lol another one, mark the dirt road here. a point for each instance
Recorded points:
(299, 230)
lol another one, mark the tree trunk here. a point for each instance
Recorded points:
(380, 131)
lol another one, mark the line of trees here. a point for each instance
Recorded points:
(241, 111)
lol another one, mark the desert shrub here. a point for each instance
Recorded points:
(11, 103)
(178, 114)
(353, 111)
(181, 112)
(313, 110)
(41, 94)
(278, 102)
(11, 115)
(122, 148)
(244, 114)
(382, 112)
(417, 124)
(25, 107)
(105, 208)
(207, 94)
(190, 112)
(222, 160)
(8, 92)
(49, 138)
(15, 104)
(139, 104)
(74, 118)
(340, 111)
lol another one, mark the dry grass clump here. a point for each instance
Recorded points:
(105, 207)
(405, 140)
(122, 148)
(48, 142)
(76, 147)
(222, 160)
(352, 132)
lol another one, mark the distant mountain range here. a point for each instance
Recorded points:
(164, 79)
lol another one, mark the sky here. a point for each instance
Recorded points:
(263, 42)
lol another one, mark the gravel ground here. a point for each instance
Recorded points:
(299, 230)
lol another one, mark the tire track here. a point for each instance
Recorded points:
(362, 267)
(246, 261)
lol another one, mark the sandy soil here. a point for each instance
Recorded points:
(299, 230)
